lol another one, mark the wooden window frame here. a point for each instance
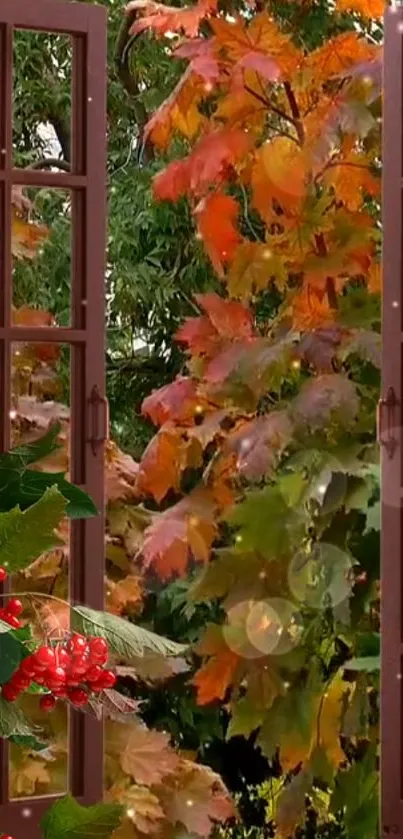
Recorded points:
(86, 24)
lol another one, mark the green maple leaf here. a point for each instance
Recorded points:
(25, 535)
(356, 798)
(67, 819)
(265, 523)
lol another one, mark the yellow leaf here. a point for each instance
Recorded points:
(252, 269)
(279, 173)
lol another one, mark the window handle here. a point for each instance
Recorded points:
(385, 422)
(98, 418)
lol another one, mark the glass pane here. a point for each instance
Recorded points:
(42, 99)
(40, 380)
(41, 247)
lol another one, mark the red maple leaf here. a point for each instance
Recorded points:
(207, 164)
(216, 222)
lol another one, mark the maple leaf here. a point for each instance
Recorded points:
(338, 55)
(197, 798)
(143, 807)
(226, 321)
(216, 675)
(121, 473)
(368, 9)
(253, 267)
(279, 173)
(146, 755)
(290, 808)
(258, 45)
(124, 595)
(175, 401)
(325, 399)
(216, 216)
(179, 112)
(162, 19)
(30, 777)
(311, 308)
(259, 443)
(27, 237)
(350, 179)
(319, 347)
(165, 458)
(364, 343)
(207, 164)
(186, 529)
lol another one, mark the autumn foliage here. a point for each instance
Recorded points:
(274, 416)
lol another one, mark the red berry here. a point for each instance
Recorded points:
(3, 574)
(39, 678)
(27, 666)
(47, 703)
(79, 665)
(77, 645)
(98, 647)
(44, 658)
(73, 680)
(62, 657)
(9, 692)
(78, 697)
(94, 673)
(3, 836)
(60, 691)
(12, 621)
(107, 680)
(55, 675)
(19, 681)
(14, 607)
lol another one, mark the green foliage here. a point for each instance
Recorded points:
(67, 819)
(26, 535)
(24, 487)
(124, 639)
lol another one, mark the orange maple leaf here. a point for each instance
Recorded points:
(207, 164)
(258, 45)
(310, 308)
(216, 217)
(226, 321)
(167, 455)
(179, 112)
(217, 673)
(369, 9)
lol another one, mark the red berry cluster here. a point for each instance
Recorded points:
(14, 608)
(72, 671)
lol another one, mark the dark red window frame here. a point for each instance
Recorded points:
(86, 24)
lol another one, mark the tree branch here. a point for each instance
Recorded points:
(295, 112)
(124, 45)
(51, 163)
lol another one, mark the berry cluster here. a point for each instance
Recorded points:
(14, 608)
(71, 671)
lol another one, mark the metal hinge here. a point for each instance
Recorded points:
(98, 419)
(385, 422)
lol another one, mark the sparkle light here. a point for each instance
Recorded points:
(130, 813)
(26, 813)
(189, 802)
(13, 415)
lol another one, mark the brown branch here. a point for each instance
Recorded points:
(124, 45)
(50, 163)
(295, 112)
